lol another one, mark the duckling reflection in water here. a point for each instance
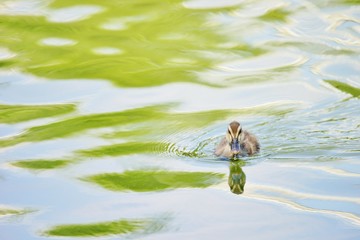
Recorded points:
(237, 142)
(237, 177)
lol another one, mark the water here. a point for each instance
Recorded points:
(110, 112)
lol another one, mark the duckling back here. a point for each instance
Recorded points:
(249, 144)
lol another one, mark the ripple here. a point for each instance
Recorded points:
(334, 171)
(191, 152)
(299, 195)
(352, 218)
(339, 68)
(319, 203)
(262, 63)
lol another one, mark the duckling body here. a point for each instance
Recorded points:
(237, 142)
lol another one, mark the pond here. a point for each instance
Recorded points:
(110, 112)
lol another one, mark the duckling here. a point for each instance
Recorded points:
(237, 142)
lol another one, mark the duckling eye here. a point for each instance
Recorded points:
(240, 131)
(229, 132)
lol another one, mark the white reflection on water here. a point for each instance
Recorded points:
(107, 51)
(204, 4)
(57, 41)
(21, 7)
(6, 54)
(118, 24)
(74, 13)
(114, 25)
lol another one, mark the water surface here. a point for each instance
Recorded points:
(110, 112)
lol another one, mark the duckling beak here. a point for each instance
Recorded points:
(235, 146)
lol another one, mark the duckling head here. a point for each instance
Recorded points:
(234, 136)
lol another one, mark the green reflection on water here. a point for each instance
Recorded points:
(41, 164)
(5, 211)
(97, 229)
(277, 14)
(21, 113)
(124, 149)
(128, 133)
(158, 43)
(354, 91)
(81, 123)
(352, 1)
(145, 181)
